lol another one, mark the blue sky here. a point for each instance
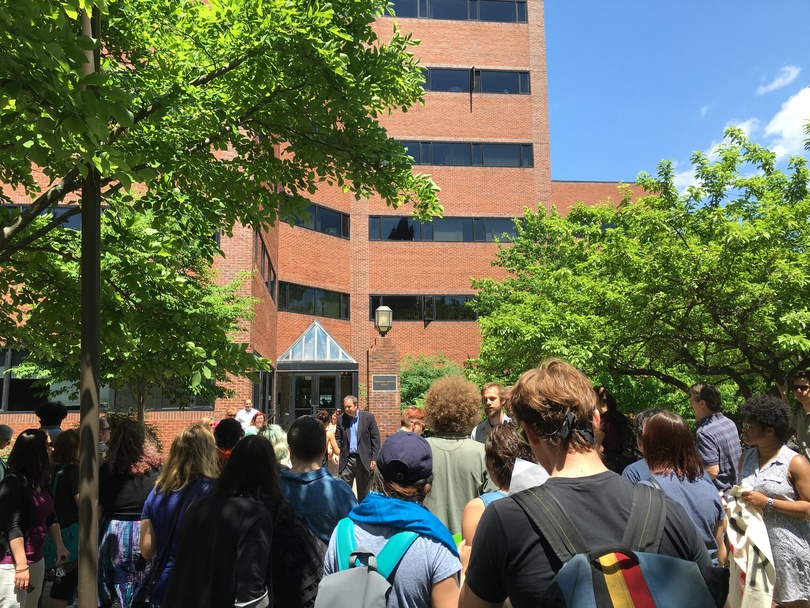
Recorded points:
(632, 82)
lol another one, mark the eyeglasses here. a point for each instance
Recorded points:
(801, 388)
(748, 425)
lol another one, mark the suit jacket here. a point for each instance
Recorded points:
(368, 438)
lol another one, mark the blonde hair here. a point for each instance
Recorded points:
(193, 455)
(452, 405)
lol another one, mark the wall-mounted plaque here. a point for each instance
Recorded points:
(384, 383)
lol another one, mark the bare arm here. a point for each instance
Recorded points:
(55, 532)
(147, 541)
(21, 572)
(719, 537)
(713, 470)
(799, 475)
(330, 437)
(467, 599)
(470, 518)
(444, 594)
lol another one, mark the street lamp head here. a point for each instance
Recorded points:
(383, 320)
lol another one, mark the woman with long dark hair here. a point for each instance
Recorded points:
(187, 475)
(26, 515)
(126, 478)
(65, 490)
(676, 470)
(226, 537)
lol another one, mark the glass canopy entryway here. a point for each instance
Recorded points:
(315, 373)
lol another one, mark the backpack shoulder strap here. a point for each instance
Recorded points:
(394, 550)
(548, 515)
(645, 527)
(345, 544)
(56, 479)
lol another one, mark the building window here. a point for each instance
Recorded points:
(465, 154)
(425, 308)
(265, 264)
(312, 301)
(502, 11)
(479, 81)
(445, 229)
(325, 220)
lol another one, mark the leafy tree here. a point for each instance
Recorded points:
(417, 373)
(165, 322)
(710, 284)
(219, 111)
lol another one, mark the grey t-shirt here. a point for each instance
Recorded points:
(426, 563)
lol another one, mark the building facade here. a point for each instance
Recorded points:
(483, 135)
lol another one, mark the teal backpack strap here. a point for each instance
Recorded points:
(56, 479)
(393, 551)
(345, 543)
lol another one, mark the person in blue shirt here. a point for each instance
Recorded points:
(319, 498)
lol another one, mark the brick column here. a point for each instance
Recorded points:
(383, 360)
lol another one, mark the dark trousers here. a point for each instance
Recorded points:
(355, 471)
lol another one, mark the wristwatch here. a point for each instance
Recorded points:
(769, 503)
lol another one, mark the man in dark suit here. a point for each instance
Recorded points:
(359, 441)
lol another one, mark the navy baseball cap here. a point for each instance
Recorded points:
(405, 457)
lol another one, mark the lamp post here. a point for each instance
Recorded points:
(383, 320)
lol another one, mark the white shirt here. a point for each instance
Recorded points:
(246, 416)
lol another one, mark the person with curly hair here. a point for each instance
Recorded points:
(126, 478)
(777, 480)
(503, 446)
(459, 463)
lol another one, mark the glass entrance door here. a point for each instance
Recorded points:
(303, 394)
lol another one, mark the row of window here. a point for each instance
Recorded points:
(325, 220)
(445, 229)
(312, 301)
(477, 81)
(424, 308)
(503, 11)
(466, 154)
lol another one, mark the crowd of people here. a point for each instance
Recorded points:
(240, 512)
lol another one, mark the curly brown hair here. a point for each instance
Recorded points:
(132, 450)
(543, 398)
(452, 405)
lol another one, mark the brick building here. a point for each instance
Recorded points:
(483, 135)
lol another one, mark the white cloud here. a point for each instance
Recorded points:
(749, 126)
(784, 77)
(703, 111)
(786, 127)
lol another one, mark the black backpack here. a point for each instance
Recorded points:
(298, 554)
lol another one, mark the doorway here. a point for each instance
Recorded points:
(304, 393)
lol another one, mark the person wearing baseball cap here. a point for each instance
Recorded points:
(428, 572)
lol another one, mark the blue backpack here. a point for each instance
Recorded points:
(355, 585)
(631, 575)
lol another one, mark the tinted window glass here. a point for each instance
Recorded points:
(527, 156)
(521, 12)
(448, 9)
(495, 10)
(306, 218)
(498, 227)
(499, 82)
(455, 154)
(329, 222)
(374, 228)
(453, 308)
(449, 80)
(405, 308)
(412, 148)
(300, 299)
(397, 229)
(328, 304)
(524, 83)
(453, 229)
(405, 8)
(502, 155)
